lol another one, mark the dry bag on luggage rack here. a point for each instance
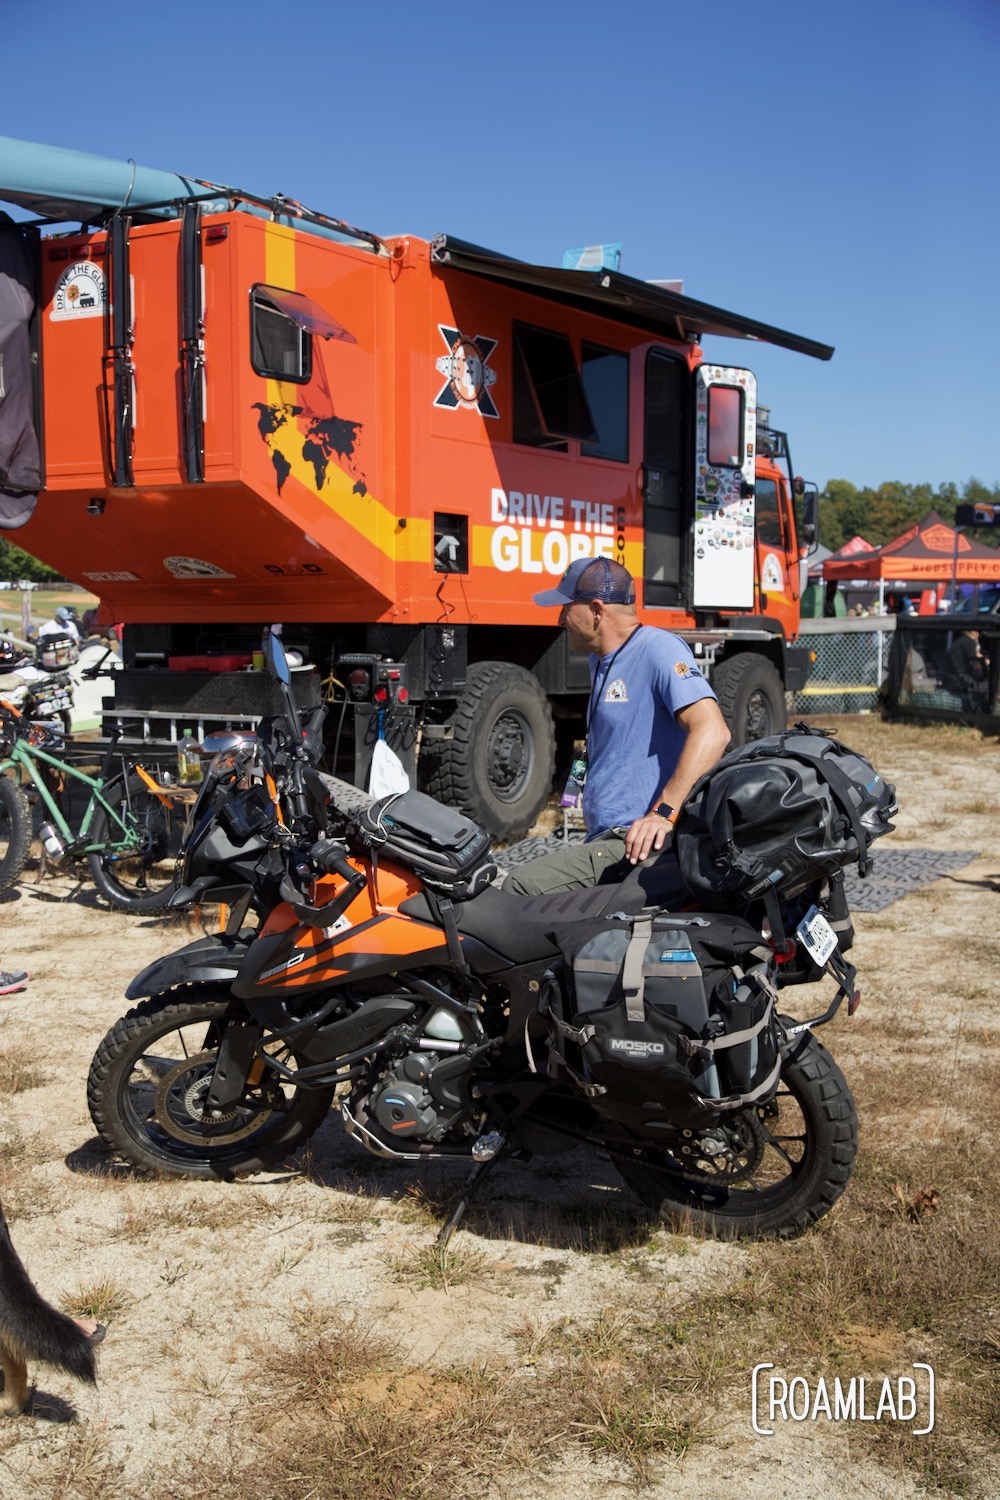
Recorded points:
(449, 852)
(660, 1018)
(779, 814)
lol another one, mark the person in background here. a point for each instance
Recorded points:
(653, 727)
(63, 622)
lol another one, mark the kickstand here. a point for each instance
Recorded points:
(472, 1187)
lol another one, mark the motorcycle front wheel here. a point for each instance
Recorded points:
(784, 1165)
(150, 1076)
(138, 874)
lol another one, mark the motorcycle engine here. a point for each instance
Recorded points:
(419, 1096)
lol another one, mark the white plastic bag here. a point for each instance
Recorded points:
(387, 775)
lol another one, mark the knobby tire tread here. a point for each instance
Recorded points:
(728, 685)
(824, 1182)
(447, 767)
(18, 811)
(116, 1052)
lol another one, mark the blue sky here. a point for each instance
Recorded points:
(831, 169)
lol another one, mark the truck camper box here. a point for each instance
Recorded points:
(247, 412)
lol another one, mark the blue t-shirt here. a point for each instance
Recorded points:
(635, 741)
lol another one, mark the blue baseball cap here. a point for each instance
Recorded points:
(591, 578)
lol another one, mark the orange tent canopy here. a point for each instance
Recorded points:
(932, 550)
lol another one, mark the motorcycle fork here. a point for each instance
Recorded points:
(235, 1066)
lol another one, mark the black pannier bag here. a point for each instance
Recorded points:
(661, 1018)
(778, 815)
(449, 852)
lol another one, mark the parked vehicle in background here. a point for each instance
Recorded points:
(386, 443)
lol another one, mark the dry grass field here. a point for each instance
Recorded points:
(298, 1334)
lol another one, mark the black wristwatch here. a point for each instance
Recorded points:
(664, 810)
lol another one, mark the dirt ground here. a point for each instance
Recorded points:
(195, 1279)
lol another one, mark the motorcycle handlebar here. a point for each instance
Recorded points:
(331, 859)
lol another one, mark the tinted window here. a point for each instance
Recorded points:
(549, 400)
(605, 384)
(278, 347)
(768, 515)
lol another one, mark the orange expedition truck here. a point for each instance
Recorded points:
(245, 412)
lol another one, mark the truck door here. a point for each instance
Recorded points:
(664, 451)
(777, 553)
(725, 449)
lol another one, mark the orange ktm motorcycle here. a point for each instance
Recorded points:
(370, 964)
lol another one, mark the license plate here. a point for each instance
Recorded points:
(816, 936)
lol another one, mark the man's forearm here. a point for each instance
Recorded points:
(702, 748)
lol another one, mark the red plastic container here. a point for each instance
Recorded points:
(208, 663)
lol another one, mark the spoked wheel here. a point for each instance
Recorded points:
(135, 871)
(148, 1084)
(768, 1171)
(15, 832)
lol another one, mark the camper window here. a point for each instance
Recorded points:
(605, 382)
(278, 347)
(725, 426)
(549, 401)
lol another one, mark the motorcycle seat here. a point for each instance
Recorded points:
(516, 926)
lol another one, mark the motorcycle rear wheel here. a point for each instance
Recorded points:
(141, 878)
(807, 1138)
(15, 832)
(154, 1067)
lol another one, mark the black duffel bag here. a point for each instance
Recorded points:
(779, 814)
(660, 1015)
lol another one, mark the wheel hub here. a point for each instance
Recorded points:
(179, 1106)
(758, 716)
(508, 756)
(729, 1152)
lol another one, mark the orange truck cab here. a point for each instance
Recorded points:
(247, 413)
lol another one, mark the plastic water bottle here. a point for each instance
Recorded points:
(189, 771)
(52, 841)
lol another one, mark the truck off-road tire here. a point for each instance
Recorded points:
(751, 696)
(153, 1069)
(497, 765)
(15, 832)
(804, 1143)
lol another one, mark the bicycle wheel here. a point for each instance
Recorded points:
(15, 832)
(135, 869)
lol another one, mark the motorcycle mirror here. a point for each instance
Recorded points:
(274, 657)
(221, 740)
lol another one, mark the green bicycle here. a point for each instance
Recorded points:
(130, 832)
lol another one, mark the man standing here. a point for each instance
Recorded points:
(653, 727)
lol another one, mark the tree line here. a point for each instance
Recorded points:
(881, 514)
(878, 515)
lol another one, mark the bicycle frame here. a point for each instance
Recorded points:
(24, 757)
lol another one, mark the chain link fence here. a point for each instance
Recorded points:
(852, 662)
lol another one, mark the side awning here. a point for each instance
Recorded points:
(623, 298)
